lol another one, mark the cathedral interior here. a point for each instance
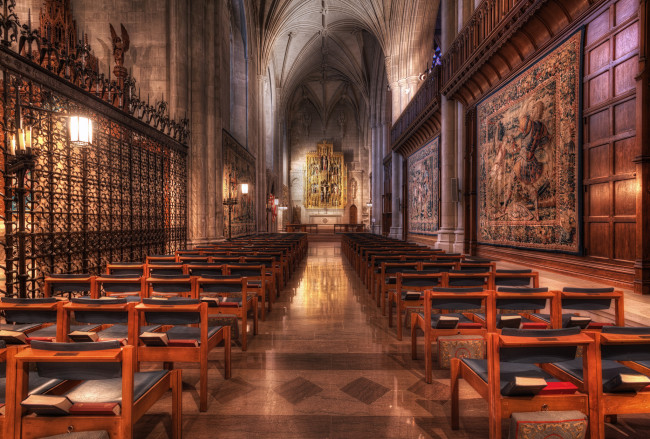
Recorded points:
(324, 219)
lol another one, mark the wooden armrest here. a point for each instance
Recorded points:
(74, 280)
(612, 295)
(30, 307)
(606, 338)
(173, 280)
(512, 341)
(93, 307)
(103, 356)
(166, 307)
(119, 280)
(477, 295)
(504, 295)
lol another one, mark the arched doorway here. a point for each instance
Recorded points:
(353, 214)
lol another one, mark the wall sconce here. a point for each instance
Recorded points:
(368, 204)
(81, 131)
(244, 188)
(21, 141)
(276, 201)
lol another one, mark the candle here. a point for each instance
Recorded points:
(12, 149)
(21, 140)
(28, 138)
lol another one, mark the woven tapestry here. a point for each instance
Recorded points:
(238, 168)
(528, 153)
(423, 189)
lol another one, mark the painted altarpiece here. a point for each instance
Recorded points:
(326, 178)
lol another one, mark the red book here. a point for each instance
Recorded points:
(534, 325)
(189, 343)
(31, 339)
(598, 325)
(559, 388)
(472, 325)
(95, 408)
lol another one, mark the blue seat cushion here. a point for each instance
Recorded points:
(120, 331)
(110, 390)
(508, 371)
(50, 331)
(37, 385)
(190, 333)
(611, 369)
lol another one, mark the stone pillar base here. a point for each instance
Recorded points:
(446, 240)
(395, 232)
(459, 243)
(376, 229)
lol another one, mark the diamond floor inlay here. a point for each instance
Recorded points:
(365, 390)
(297, 390)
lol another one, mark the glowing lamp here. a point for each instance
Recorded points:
(81, 131)
(244, 188)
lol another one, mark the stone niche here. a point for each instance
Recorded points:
(307, 128)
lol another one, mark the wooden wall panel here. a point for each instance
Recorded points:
(611, 50)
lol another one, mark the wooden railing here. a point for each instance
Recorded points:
(492, 23)
(425, 100)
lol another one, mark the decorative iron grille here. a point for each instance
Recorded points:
(119, 199)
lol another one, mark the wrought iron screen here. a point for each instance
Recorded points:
(119, 199)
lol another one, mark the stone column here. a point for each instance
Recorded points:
(396, 228)
(448, 145)
(262, 190)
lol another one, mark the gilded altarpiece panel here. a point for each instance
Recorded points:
(326, 178)
(238, 168)
(528, 154)
(424, 189)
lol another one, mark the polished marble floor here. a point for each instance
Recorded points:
(326, 365)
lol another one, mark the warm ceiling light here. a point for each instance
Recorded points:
(81, 131)
(244, 188)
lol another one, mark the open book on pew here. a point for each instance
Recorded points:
(218, 301)
(524, 386)
(83, 336)
(13, 337)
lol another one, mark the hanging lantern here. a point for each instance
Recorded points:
(81, 131)
(244, 188)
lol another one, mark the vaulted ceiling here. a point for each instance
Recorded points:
(333, 43)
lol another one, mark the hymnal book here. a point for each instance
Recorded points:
(184, 343)
(47, 404)
(534, 325)
(83, 336)
(13, 337)
(624, 382)
(447, 322)
(579, 321)
(508, 321)
(559, 388)
(524, 386)
(412, 295)
(95, 408)
(154, 338)
(598, 325)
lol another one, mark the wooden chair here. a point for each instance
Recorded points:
(477, 266)
(108, 375)
(198, 270)
(517, 353)
(409, 291)
(116, 316)
(450, 257)
(388, 280)
(516, 278)
(466, 279)
(193, 259)
(174, 315)
(60, 284)
(273, 271)
(589, 299)
(449, 301)
(618, 351)
(232, 292)
(37, 385)
(155, 259)
(170, 286)
(127, 268)
(121, 285)
(166, 269)
(520, 304)
(256, 275)
(36, 318)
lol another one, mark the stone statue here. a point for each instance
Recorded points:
(120, 45)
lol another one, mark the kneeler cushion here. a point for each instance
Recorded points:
(459, 346)
(570, 424)
(98, 434)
